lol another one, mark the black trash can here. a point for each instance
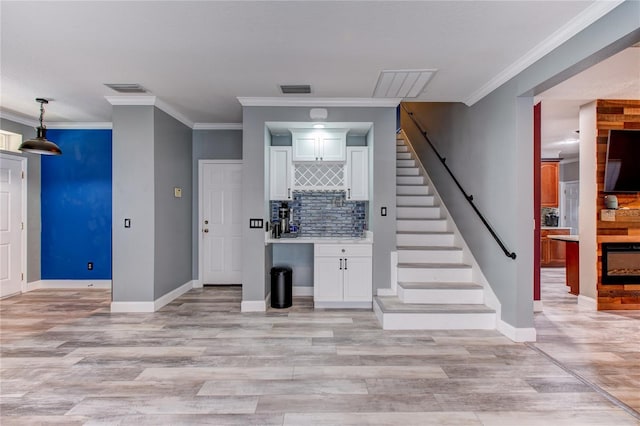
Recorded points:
(281, 287)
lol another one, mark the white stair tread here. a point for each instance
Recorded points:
(429, 248)
(434, 265)
(440, 286)
(424, 232)
(392, 304)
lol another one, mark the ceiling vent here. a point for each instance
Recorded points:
(126, 87)
(402, 83)
(295, 89)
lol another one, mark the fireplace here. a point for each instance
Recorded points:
(621, 263)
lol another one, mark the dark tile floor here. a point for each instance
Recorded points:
(67, 360)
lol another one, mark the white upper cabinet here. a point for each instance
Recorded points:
(357, 173)
(319, 145)
(280, 173)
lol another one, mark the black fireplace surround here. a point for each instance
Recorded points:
(621, 263)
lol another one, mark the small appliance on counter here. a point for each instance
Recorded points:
(551, 219)
(611, 202)
(284, 214)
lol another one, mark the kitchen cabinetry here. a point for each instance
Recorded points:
(549, 183)
(319, 145)
(342, 275)
(280, 173)
(357, 173)
(552, 252)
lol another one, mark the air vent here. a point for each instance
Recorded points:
(126, 87)
(402, 83)
(295, 89)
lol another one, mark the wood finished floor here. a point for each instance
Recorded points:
(66, 360)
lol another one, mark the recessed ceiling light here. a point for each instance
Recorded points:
(402, 83)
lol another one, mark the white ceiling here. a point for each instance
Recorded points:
(617, 77)
(198, 57)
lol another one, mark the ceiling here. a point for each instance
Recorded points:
(617, 77)
(198, 57)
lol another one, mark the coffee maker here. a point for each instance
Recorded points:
(284, 214)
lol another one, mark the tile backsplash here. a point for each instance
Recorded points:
(325, 214)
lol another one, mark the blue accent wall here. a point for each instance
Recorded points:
(76, 206)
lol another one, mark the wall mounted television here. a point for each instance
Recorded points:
(622, 169)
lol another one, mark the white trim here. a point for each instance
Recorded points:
(587, 17)
(197, 283)
(69, 284)
(27, 121)
(394, 273)
(80, 125)
(138, 307)
(138, 100)
(538, 306)
(319, 102)
(385, 292)
(587, 302)
(569, 161)
(254, 305)
(174, 113)
(172, 295)
(342, 305)
(302, 291)
(518, 335)
(217, 126)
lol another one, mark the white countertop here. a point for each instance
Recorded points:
(554, 227)
(368, 239)
(567, 238)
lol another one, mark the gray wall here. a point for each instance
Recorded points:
(569, 171)
(489, 148)
(173, 218)
(299, 257)
(209, 145)
(33, 198)
(255, 194)
(133, 197)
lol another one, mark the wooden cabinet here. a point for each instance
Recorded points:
(280, 173)
(342, 275)
(319, 145)
(552, 252)
(549, 171)
(357, 173)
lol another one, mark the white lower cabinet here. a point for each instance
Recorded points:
(342, 275)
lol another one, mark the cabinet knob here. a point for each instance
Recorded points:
(343, 250)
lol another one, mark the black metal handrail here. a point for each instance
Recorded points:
(468, 197)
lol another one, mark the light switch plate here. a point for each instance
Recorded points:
(608, 215)
(256, 223)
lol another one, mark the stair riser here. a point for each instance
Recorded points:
(403, 156)
(441, 240)
(412, 190)
(422, 225)
(405, 163)
(409, 180)
(429, 256)
(426, 200)
(402, 148)
(392, 321)
(441, 296)
(433, 275)
(407, 171)
(418, 213)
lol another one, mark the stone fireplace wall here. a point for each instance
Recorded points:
(616, 114)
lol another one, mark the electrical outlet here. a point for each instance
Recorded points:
(90, 266)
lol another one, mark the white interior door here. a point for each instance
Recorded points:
(220, 222)
(11, 218)
(571, 203)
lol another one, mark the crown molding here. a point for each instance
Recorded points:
(217, 126)
(81, 126)
(174, 113)
(587, 17)
(146, 100)
(19, 119)
(319, 102)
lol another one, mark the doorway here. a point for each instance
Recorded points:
(220, 229)
(12, 224)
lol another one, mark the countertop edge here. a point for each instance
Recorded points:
(566, 238)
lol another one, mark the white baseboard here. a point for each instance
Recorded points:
(537, 306)
(197, 284)
(152, 306)
(67, 284)
(255, 305)
(172, 295)
(385, 292)
(342, 305)
(517, 334)
(302, 291)
(587, 302)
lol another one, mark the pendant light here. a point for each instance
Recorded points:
(40, 145)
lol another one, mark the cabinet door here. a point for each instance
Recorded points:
(305, 146)
(327, 279)
(358, 279)
(280, 173)
(332, 145)
(549, 184)
(557, 253)
(357, 173)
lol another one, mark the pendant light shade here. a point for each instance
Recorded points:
(40, 144)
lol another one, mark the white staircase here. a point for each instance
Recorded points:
(435, 288)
